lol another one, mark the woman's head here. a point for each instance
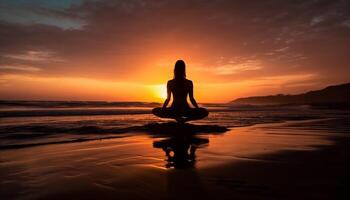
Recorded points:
(180, 70)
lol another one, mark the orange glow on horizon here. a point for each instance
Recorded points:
(82, 89)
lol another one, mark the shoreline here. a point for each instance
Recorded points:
(113, 133)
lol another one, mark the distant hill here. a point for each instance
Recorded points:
(332, 96)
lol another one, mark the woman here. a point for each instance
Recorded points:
(180, 87)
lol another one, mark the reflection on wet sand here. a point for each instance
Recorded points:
(180, 141)
(181, 150)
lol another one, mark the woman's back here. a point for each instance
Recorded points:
(180, 88)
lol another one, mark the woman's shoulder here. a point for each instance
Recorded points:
(186, 81)
(189, 82)
(171, 81)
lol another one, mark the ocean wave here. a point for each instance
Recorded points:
(71, 112)
(23, 132)
(72, 104)
(154, 129)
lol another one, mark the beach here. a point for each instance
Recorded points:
(304, 159)
(174, 99)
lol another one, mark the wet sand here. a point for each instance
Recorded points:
(291, 160)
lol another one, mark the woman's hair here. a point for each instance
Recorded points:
(180, 70)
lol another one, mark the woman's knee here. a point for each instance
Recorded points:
(157, 111)
(199, 113)
(203, 112)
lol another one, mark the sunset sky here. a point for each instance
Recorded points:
(125, 50)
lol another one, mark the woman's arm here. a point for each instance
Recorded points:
(168, 96)
(193, 101)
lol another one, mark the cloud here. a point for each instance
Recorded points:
(51, 13)
(282, 49)
(317, 20)
(35, 56)
(20, 68)
(346, 23)
(233, 67)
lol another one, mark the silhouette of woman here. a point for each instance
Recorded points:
(180, 87)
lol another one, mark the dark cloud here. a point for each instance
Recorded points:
(116, 37)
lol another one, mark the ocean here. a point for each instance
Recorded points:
(32, 123)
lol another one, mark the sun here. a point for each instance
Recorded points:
(160, 91)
